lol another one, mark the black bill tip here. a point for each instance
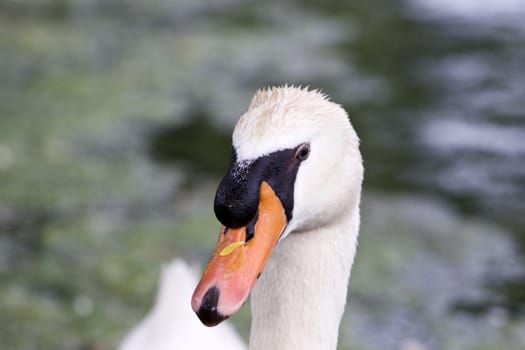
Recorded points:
(208, 313)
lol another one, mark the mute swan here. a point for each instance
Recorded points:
(289, 205)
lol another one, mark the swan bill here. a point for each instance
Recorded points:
(238, 259)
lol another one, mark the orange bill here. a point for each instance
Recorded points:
(237, 260)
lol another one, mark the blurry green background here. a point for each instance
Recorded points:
(115, 122)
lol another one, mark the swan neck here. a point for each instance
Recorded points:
(300, 297)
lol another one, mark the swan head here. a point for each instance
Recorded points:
(295, 167)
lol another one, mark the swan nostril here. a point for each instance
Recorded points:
(208, 313)
(250, 228)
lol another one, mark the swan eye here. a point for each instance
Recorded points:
(303, 151)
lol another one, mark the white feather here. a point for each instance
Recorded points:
(172, 325)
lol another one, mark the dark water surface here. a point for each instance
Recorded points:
(441, 111)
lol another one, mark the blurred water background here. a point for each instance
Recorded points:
(115, 122)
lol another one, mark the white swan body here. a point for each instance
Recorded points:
(172, 325)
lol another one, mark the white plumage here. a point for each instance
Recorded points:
(172, 325)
